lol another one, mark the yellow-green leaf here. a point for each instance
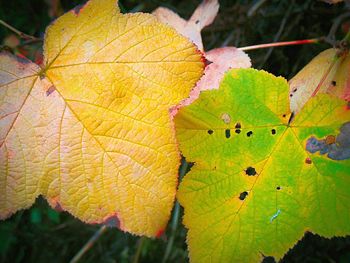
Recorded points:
(91, 131)
(262, 177)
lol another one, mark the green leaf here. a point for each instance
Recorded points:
(262, 177)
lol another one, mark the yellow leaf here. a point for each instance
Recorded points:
(92, 131)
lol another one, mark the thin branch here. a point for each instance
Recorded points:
(89, 244)
(285, 43)
(21, 34)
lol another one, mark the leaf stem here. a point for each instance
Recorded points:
(88, 244)
(21, 34)
(285, 43)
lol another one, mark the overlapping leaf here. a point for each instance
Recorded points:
(262, 177)
(92, 131)
(328, 72)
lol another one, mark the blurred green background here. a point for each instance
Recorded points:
(41, 234)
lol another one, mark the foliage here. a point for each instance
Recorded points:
(258, 181)
(235, 26)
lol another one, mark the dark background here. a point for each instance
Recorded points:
(40, 234)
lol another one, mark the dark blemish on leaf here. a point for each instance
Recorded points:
(227, 133)
(278, 188)
(250, 171)
(294, 90)
(238, 125)
(308, 160)
(336, 148)
(112, 221)
(284, 115)
(334, 83)
(197, 21)
(291, 118)
(243, 195)
(290, 95)
(214, 168)
(273, 131)
(210, 132)
(207, 62)
(50, 90)
(77, 9)
(238, 131)
(250, 133)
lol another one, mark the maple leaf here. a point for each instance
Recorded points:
(91, 131)
(261, 178)
(328, 72)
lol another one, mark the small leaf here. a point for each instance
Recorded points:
(203, 16)
(257, 191)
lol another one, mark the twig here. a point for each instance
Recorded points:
(175, 219)
(285, 43)
(21, 34)
(88, 244)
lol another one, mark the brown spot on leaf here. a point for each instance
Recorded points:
(50, 90)
(210, 132)
(308, 160)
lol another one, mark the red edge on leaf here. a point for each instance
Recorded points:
(76, 10)
(55, 204)
(161, 234)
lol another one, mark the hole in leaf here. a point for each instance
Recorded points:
(294, 90)
(250, 171)
(210, 132)
(238, 131)
(197, 21)
(250, 133)
(238, 125)
(273, 131)
(227, 133)
(243, 195)
(284, 115)
(290, 95)
(278, 188)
